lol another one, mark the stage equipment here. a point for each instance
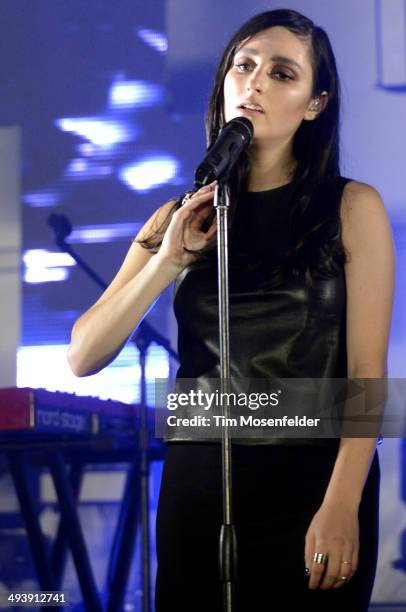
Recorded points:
(63, 432)
(143, 336)
(218, 163)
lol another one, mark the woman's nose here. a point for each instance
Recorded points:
(256, 82)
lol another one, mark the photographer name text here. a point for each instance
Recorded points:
(241, 421)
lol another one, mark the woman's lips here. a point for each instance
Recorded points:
(250, 111)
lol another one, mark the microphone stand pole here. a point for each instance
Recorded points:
(228, 539)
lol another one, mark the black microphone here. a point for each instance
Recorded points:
(234, 137)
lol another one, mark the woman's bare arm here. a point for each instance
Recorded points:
(101, 332)
(370, 285)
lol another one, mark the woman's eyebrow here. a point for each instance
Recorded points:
(274, 58)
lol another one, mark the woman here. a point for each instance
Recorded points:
(308, 249)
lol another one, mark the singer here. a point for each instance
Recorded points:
(311, 285)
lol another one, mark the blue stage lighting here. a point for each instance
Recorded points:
(154, 39)
(42, 266)
(46, 366)
(84, 169)
(134, 94)
(87, 234)
(38, 199)
(45, 275)
(100, 131)
(150, 172)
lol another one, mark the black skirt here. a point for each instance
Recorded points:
(277, 491)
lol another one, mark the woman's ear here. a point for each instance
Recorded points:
(316, 106)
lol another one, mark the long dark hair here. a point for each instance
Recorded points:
(315, 147)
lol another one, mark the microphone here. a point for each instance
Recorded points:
(234, 137)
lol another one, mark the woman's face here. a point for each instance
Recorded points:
(270, 83)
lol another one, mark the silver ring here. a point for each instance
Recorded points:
(346, 562)
(320, 558)
(188, 196)
(344, 578)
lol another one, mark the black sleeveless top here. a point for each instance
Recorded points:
(288, 331)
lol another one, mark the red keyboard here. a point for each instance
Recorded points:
(25, 409)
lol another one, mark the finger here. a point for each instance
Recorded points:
(309, 553)
(211, 231)
(199, 196)
(332, 572)
(354, 562)
(188, 213)
(317, 570)
(346, 571)
(197, 212)
(200, 214)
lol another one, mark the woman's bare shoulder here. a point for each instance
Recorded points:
(364, 217)
(362, 207)
(360, 195)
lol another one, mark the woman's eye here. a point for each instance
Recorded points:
(242, 66)
(283, 76)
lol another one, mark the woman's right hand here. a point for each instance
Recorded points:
(184, 232)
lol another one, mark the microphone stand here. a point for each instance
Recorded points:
(228, 539)
(233, 138)
(143, 336)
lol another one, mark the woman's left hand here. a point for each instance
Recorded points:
(333, 532)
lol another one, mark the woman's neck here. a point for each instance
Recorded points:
(270, 167)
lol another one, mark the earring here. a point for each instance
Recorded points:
(315, 105)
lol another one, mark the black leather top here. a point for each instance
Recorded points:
(288, 331)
